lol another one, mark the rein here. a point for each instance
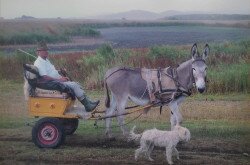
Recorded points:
(121, 68)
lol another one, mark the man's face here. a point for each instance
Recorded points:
(42, 53)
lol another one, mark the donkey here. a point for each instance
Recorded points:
(125, 83)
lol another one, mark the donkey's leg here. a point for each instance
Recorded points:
(110, 111)
(121, 104)
(172, 120)
(176, 117)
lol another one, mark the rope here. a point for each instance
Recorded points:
(143, 93)
(126, 113)
(112, 116)
(116, 126)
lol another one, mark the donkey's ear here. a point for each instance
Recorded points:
(206, 51)
(194, 51)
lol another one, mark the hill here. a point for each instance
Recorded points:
(209, 17)
(130, 15)
(170, 15)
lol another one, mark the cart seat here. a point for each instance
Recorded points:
(50, 93)
(41, 88)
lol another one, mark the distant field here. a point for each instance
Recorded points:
(78, 35)
(140, 37)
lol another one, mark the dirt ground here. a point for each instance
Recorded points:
(81, 149)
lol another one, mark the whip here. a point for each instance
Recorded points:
(27, 53)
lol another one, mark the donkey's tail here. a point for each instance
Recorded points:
(133, 136)
(107, 101)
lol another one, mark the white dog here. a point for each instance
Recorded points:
(154, 137)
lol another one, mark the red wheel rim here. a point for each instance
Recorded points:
(48, 134)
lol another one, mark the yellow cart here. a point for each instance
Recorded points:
(59, 117)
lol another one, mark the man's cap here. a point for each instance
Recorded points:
(42, 46)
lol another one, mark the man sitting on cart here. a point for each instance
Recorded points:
(48, 72)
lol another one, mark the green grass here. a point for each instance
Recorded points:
(220, 97)
(50, 34)
(31, 38)
(219, 129)
(216, 129)
(227, 78)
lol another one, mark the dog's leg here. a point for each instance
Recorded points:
(169, 155)
(137, 153)
(176, 153)
(150, 149)
(141, 149)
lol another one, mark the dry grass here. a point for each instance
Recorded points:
(13, 104)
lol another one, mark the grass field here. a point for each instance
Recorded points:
(219, 125)
(218, 120)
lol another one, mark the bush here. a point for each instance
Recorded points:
(168, 52)
(229, 78)
(81, 30)
(50, 35)
(103, 55)
(31, 38)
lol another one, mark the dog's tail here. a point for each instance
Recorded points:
(133, 136)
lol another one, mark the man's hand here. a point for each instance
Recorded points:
(63, 72)
(64, 79)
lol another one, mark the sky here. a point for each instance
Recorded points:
(85, 8)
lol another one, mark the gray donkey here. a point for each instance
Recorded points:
(127, 83)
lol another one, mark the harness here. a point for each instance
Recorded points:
(179, 91)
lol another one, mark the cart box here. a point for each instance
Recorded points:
(52, 107)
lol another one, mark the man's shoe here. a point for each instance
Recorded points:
(95, 102)
(89, 106)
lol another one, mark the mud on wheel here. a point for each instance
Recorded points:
(70, 125)
(48, 133)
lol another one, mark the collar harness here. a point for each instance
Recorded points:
(179, 91)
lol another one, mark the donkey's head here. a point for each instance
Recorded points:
(199, 67)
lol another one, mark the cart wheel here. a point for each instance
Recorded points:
(70, 125)
(48, 133)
